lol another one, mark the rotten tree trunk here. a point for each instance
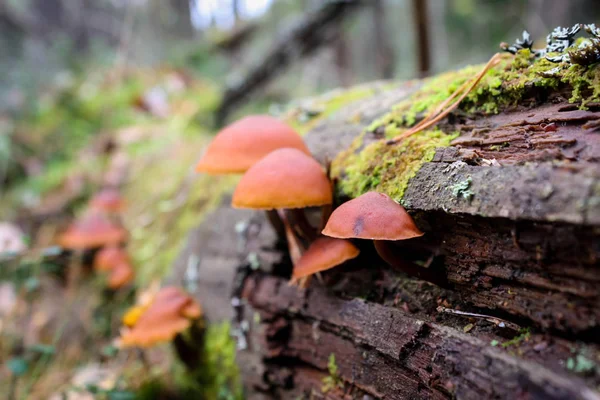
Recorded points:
(520, 314)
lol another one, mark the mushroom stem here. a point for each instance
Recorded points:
(388, 255)
(298, 220)
(326, 211)
(74, 272)
(189, 346)
(276, 223)
(294, 246)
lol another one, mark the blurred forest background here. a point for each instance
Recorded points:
(97, 93)
(43, 42)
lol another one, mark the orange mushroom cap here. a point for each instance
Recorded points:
(286, 178)
(91, 231)
(240, 145)
(170, 313)
(120, 275)
(323, 254)
(371, 216)
(108, 200)
(108, 257)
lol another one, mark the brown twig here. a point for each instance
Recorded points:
(428, 122)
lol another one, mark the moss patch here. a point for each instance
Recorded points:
(513, 81)
(166, 199)
(306, 116)
(384, 168)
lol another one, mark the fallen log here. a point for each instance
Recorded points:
(509, 202)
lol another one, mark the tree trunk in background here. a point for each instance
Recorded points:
(420, 10)
(384, 54)
(179, 21)
(235, 9)
(50, 14)
(342, 57)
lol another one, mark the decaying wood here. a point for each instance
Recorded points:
(522, 246)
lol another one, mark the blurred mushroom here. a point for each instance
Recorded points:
(92, 231)
(108, 257)
(238, 146)
(377, 217)
(170, 313)
(120, 275)
(323, 254)
(115, 260)
(109, 201)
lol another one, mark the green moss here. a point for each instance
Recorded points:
(166, 195)
(332, 381)
(305, 117)
(218, 377)
(386, 168)
(220, 373)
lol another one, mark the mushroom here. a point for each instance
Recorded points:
(377, 217)
(115, 260)
(171, 312)
(323, 254)
(240, 145)
(108, 200)
(285, 179)
(108, 257)
(120, 275)
(92, 231)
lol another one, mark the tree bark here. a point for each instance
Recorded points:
(520, 314)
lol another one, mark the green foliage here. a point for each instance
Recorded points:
(334, 380)
(524, 335)
(18, 366)
(220, 374)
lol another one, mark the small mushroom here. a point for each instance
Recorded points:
(115, 260)
(109, 201)
(90, 232)
(377, 217)
(374, 216)
(240, 145)
(171, 312)
(120, 275)
(108, 257)
(323, 254)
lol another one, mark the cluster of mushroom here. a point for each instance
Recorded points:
(280, 174)
(159, 317)
(100, 229)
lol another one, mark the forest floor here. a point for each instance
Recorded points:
(141, 131)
